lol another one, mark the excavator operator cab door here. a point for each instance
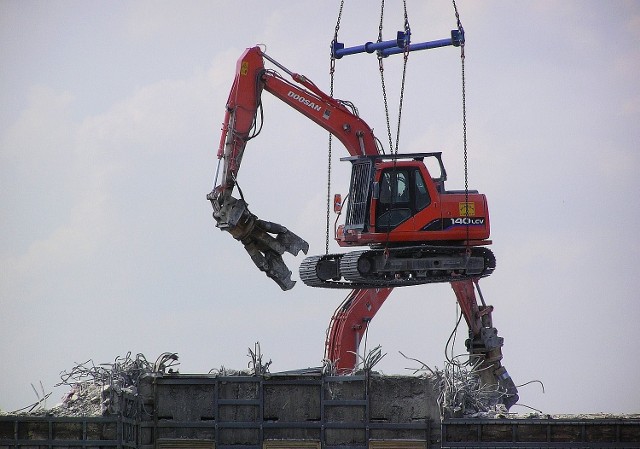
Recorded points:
(401, 194)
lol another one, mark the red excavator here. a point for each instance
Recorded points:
(414, 230)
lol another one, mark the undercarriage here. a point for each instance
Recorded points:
(397, 266)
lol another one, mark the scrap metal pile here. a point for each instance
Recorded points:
(461, 391)
(97, 390)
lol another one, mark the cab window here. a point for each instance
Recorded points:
(403, 193)
(422, 194)
(394, 187)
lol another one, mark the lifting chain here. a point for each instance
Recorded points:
(393, 149)
(332, 70)
(384, 87)
(464, 121)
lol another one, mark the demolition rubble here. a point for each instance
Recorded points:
(99, 390)
(136, 404)
(96, 390)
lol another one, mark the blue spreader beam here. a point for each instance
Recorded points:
(401, 40)
(392, 47)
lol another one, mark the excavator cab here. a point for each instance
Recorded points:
(395, 198)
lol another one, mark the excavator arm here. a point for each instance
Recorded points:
(244, 105)
(349, 324)
(351, 319)
(266, 241)
(484, 341)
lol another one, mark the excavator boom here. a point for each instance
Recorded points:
(266, 241)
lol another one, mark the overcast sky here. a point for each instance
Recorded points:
(110, 118)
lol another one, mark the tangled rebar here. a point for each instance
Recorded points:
(370, 359)
(460, 389)
(40, 404)
(97, 389)
(255, 365)
(124, 372)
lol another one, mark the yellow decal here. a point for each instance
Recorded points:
(244, 68)
(467, 209)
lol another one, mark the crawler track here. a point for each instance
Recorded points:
(397, 267)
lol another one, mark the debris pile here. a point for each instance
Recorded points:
(96, 390)
(461, 393)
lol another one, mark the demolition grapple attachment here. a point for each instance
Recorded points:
(263, 240)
